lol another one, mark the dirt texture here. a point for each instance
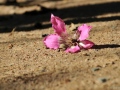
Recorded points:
(26, 64)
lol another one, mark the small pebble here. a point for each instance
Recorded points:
(85, 54)
(102, 80)
(113, 62)
(10, 46)
(67, 80)
(38, 49)
(96, 69)
(44, 35)
(43, 69)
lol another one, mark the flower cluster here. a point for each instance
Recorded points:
(61, 39)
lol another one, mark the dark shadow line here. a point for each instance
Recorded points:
(38, 25)
(105, 46)
(84, 20)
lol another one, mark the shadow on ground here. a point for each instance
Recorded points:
(81, 14)
(106, 46)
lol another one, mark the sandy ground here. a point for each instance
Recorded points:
(25, 63)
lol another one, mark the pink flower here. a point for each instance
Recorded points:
(71, 44)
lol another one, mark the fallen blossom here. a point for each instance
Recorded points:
(61, 39)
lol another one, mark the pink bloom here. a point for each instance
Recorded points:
(72, 44)
(58, 25)
(73, 49)
(52, 41)
(84, 34)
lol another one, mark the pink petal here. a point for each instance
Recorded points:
(58, 25)
(52, 41)
(84, 31)
(86, 44)
(73, 49)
